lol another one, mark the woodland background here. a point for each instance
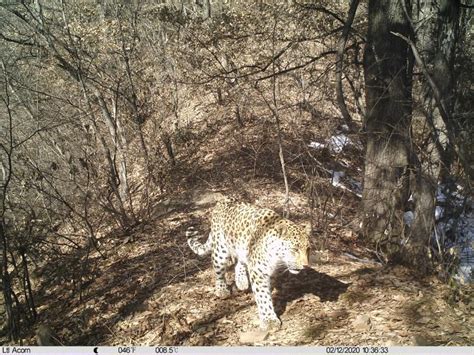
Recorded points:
(123, 121)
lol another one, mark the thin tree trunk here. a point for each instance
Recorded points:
(30, 301)
(13, 327)
(118, 139)
(440, 21)
(238, 116)
(206, 9)
(114, 179)
(278, 126)
(340, 62)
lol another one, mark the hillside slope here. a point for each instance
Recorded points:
(149, 288)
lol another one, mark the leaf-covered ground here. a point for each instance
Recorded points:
(148, 287)
(151, 290)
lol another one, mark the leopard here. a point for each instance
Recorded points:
(258, 241)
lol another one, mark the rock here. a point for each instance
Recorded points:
(362, 322)
(309, 296)
(45, 336)
(253, 336)
(314, 258)
(200, 330)
(423, 320)
(337, 313)
(419, 340)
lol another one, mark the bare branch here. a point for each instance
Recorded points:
(25, 42)
(296, 67)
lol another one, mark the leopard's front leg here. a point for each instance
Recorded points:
(263, 296)
(241, 278)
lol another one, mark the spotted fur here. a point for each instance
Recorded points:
(258, 241)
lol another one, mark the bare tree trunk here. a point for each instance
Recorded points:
(278, 126)
(118, 139)
(388, 98)
(29, 298)
(114, 178)
(340, 62)
(238, 116)
(206, 9)
(12, 321)
(436, 43)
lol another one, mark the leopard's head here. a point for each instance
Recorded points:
(295, 245)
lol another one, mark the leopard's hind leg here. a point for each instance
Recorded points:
(220, 260)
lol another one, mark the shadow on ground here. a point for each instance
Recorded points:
(119, 288)
(308, 281)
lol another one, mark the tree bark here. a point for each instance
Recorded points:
(388, 72)
(340, 62)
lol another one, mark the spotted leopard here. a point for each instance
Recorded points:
(258, 240)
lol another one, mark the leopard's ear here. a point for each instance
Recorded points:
(308, 227)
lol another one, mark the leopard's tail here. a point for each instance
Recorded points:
(196, 246)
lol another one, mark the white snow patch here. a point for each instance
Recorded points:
(461, 229)
(337, 181)
(335, 144)
(440, 196)
(465, 245)
(356, 186)
(454, 234)
(336, 178)
(465, 273)
(439, 212)
(338, 142)
(455, 197)
(316, 145)
(408, 218)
